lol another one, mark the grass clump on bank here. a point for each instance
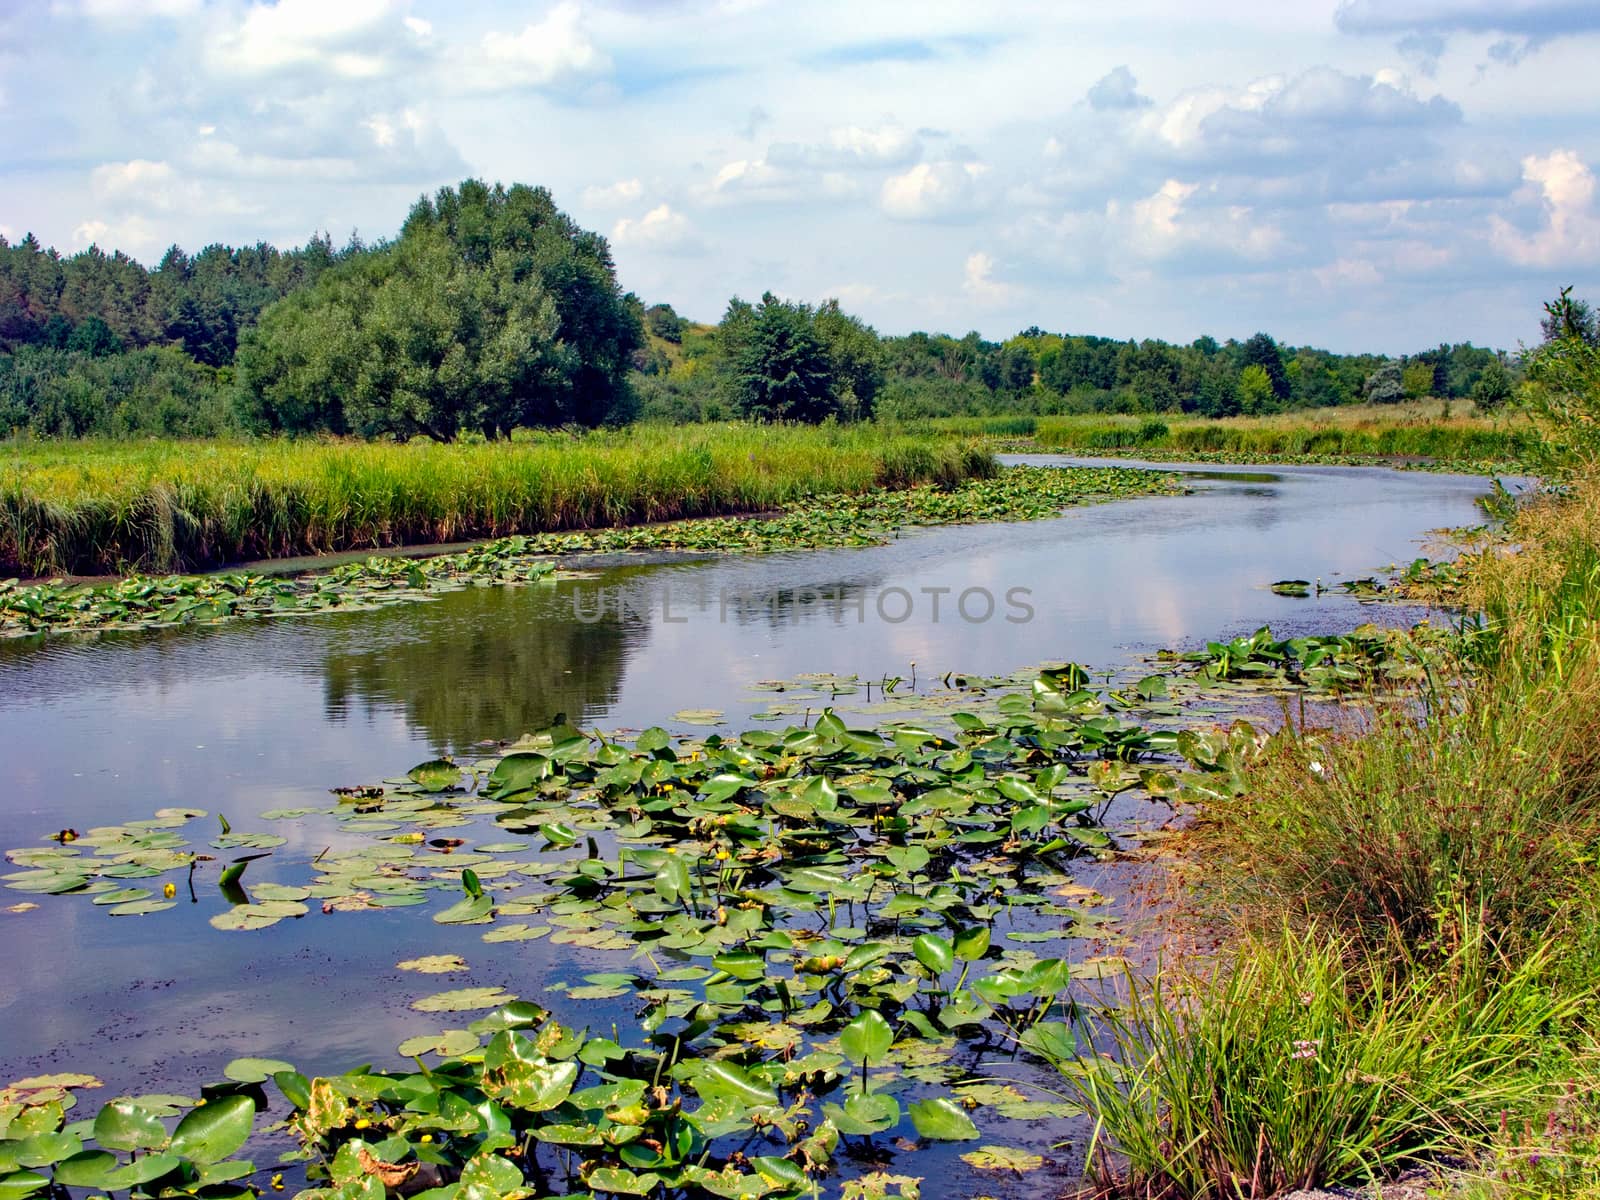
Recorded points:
(96, 508)
(1410, 911)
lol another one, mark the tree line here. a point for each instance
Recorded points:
(492, 310)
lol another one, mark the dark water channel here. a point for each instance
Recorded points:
(245, 718)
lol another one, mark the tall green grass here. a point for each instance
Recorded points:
(1411, 907)
(1291, 1066)
(1362, 432)
(95, 507)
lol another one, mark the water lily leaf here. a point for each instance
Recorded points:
(470, 910)
(865, 1113)
(452, 1043)
(463, 1000)
(21, 1183)
(434, 964)
(972, 943)
(867, 1038)
(699, 716)
(211, 1133)
(941, 1119)
(124, 1125)
(141, 1171)
(43, 1149)
(621, 1181)
(933, 952)
(435, 775)
(122, 896)
(714, 1079)
(1002, 1158)
(87, 1170)
(493, 1175)
(254, 1070)
(140, 908)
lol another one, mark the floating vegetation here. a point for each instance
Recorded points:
(1362, 660)
(1016, 494)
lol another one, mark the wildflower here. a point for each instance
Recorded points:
(1306, 1049)
(722, 855)
(277, 1183)
(1318, 770)
(363, 1123)
(1307, 997)
(427, 1137)
(170, 890)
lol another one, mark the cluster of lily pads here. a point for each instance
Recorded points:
(823, 923)
(1015, 494)
(1365, 659)
(145, 601)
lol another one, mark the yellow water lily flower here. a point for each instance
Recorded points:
(170, 890)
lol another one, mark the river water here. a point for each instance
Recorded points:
(243, 718)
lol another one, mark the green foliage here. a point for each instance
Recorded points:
(155, 391)
(1563, 393)
(492, 311)
(1386, 385)
(1288, 1068)
(91, 508)
(1255, 390)
(1261, 351)
(1493, 389)
(786, 361)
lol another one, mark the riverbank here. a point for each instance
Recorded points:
(1410, 964)
(98, 508)
(815, 522)
(1414, 434)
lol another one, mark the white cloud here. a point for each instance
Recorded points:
(556, 50)
(351, 40)
(979, 284)
(750, 179)
(661, 230)
(1571, 233)
(1116, 90)
(933, 191)
(624, 191)
(852, 146)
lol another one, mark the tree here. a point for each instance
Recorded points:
(492, 310)
(1566, 318)
(1255, 390)
(1261, 351)
(1386, 385)
(1416, 379)
(785, 361)
(1493, 388)
(776, 365)
(662, 321)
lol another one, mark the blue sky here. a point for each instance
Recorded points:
(1356, 174)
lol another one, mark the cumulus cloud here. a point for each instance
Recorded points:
(615, 195)
(661, 230)
(979, 284)
(352, 40)
(852, 146)
(554, 51)
(1570, 234)
(1116, 91)
(1165, 225)
(933, 191)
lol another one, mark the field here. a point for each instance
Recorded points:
(100, 507)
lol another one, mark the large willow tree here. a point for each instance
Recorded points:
(491, 310)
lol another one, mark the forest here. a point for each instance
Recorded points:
(491, 310)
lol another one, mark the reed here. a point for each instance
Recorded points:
(102, 507)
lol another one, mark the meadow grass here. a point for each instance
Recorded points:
(1402, 431)
(1396, 893)
(99, 507)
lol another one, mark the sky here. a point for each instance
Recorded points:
(1374, 175)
